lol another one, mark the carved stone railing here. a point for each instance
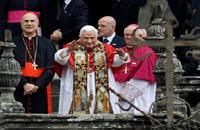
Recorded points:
(10, 74)
(181, 87)
(83, 122)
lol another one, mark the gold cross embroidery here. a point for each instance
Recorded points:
(126, 70)
(34, 65)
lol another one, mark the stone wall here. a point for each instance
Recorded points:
(74, 122)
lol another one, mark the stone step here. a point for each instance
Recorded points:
(75, 122)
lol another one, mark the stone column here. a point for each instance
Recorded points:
(169, 72)
(10, 74)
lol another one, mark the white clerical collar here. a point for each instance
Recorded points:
(110, 38)
(67, 2)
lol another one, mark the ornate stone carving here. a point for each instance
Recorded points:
(160, 104)
(9, 68)
(153, 16)
(194, 34)
(10, 74)
(156, 30)
(154, 9)
(160, 69)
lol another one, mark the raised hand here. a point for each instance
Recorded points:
(72, 45)
(75, 44)
(120, 52)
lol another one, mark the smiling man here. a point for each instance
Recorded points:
(136, 80)
(86, 66)
(35, 55)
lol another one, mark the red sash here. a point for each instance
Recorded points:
(29, 71)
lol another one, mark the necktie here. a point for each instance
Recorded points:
(105, 40)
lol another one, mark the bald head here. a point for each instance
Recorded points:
(131, 27)
(109, 20)
(29, 24)
(30, 14)
(128, 32)
(106, 26)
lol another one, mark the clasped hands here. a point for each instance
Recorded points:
(30, 88)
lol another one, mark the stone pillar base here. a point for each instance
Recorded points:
(7, 101)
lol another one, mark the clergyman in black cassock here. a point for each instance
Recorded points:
(36, 57)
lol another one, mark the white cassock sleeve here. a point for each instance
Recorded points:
(62, 60)
(66, 82)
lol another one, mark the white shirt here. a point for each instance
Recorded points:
(67, 1)
(109, 38)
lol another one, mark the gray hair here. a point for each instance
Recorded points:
(88, 28)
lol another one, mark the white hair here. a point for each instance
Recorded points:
(88, 28)
(142, 32)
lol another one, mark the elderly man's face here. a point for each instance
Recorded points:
(138, 37)
(29, 23)
(88, 39)
(128, 32)
(140, 34)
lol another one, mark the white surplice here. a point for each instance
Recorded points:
(143, 101)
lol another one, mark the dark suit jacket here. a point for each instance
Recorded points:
(72, 19)
(117, 41)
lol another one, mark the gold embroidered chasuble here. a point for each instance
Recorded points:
(85, 63)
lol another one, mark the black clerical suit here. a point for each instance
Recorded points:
(38, 101)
